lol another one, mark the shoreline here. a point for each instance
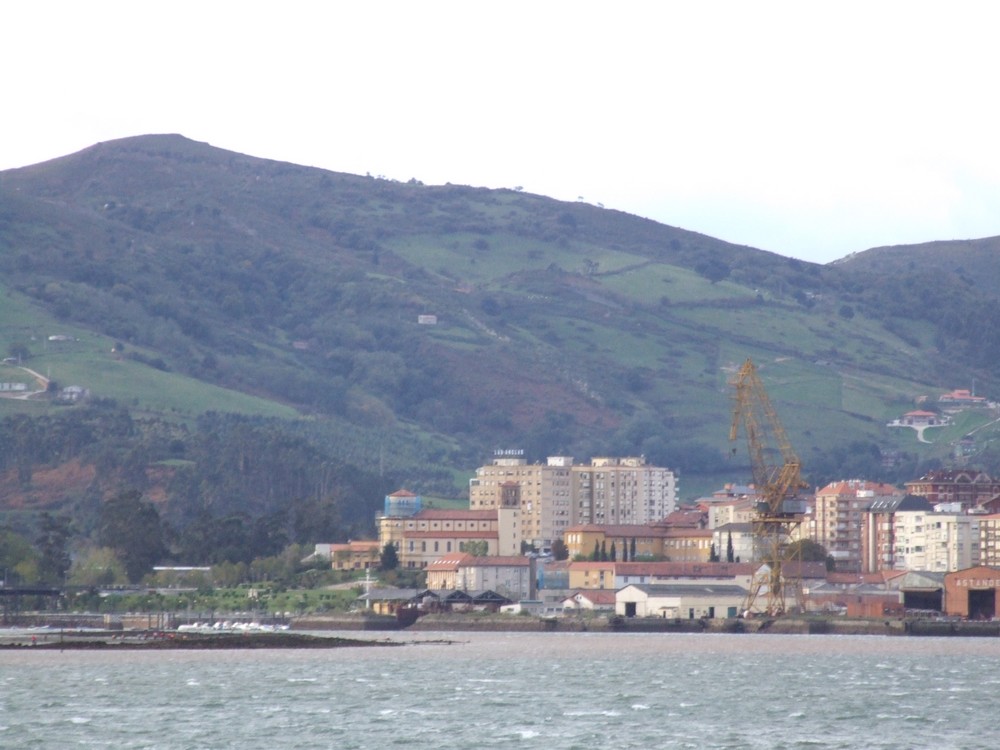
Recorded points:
(302, 633)
(116, 640)
(792, 625)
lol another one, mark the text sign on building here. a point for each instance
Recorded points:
(978, 583)
(500, 452)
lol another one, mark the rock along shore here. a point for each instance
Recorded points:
(170, 640)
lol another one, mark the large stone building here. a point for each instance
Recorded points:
(559, 494)
(430, 533)
(664, 540)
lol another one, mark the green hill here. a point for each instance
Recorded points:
(236, 284)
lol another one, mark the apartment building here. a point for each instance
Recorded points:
(989, 540)
(969, 488)
(559, 493)
(731, 511)
(622, 491)
(836, 518)
(878, 530)
(542, 492)
(939, 542)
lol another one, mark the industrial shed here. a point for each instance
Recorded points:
(680, 601)
(972, 593)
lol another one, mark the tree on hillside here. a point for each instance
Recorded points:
(134, 531)
(97, 567)
(19, 350)
(53, 548)
(17, 558)
(713, 269)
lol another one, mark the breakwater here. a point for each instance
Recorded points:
(486, 622)
(481, 622)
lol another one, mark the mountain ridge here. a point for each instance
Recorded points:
(560, 327)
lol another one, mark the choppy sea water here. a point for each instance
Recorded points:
(551, 690)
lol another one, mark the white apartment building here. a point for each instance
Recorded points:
(558, 494)
(938, 542)
(989, 540)
(738, 511)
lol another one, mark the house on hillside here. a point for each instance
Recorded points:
(961, 398)
(72, 393)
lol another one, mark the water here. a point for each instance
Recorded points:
(520, 690)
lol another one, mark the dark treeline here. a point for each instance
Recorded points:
(225, 489)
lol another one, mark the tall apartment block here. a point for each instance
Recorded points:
(559, 493)
(836, 520)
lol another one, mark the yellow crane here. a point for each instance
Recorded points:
(777, 515)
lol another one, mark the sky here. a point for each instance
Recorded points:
(810, 129)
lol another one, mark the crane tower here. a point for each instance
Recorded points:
(777, 516)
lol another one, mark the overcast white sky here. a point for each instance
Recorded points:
(809, 129)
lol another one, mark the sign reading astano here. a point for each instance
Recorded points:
(978, 583)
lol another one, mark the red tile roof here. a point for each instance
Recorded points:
(450, 534)
(496, 561)
(596, 596)
(853, 486)
(449, 563)
(589, 565)
(684, 569)
(358, 546)
(620, 530)
(444, 514)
